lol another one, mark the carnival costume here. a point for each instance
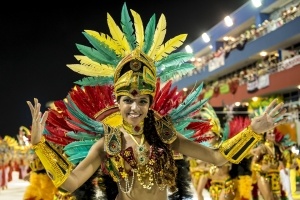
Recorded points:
(220, 178)
(132, 61)
(271, 153)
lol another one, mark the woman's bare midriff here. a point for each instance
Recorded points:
(138, 192)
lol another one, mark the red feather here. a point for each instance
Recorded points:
(278, 135)
(237, 124)
(200, 129)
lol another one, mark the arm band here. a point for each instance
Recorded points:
(56, 164)
(237, 148)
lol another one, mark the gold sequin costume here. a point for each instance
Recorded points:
(272, 158)
(131, 61)
(216, 187)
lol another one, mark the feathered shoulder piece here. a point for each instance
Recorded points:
(76, 122)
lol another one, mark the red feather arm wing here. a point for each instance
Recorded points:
(57, 128)
(92, 99)
(82, 101)
(166, 99)
(178, 98)
(237, 124)
(200, 128)
(168, 103)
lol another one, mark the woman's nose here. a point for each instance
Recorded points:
(134, 106)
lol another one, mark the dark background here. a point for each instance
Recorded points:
(38, 40)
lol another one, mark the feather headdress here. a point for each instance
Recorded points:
(131, 57)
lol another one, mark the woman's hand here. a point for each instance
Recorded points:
(272, 117)
(38, 121)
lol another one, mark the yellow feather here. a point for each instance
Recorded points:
(139, 29)
(91, 68)
(117, 34)
(159, 36)
(106, 39)
(170, 46)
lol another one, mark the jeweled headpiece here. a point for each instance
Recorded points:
(135, 74)
(132, 58)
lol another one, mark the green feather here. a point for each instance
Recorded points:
(149, 34)
(226, 130)
(85, 144)
(103, 49)
(81, 135)
(89, 123)
(181, 126)
(174, 59)
(93, 81)
(197, 106)
(127, 27)
(187, 102)
(172, 72)
(188, 134)
(93, 54)
(77, 158)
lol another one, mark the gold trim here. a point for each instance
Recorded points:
(238, 147)
(58, 167)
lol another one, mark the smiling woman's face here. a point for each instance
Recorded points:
(134, 110)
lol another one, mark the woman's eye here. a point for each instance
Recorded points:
(143, 102)
(127, 100)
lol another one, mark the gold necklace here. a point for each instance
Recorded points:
(137, 130)
(141, 149)
(144, 171)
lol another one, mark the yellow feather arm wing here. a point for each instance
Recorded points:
(117, 34)
(170, 46)
(159, 36)
(139, 29)
(106, 39)
(91, 68)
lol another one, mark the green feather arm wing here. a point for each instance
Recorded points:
(187, 102)
(78, 150)
(85, 121)
(191, 109)
(82, 136)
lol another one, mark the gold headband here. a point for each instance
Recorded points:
(135, 75)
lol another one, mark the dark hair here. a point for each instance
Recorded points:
(164, 162)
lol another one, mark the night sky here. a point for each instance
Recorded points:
(38, 40)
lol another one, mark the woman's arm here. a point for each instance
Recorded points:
(86, 168)
(198, 151)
